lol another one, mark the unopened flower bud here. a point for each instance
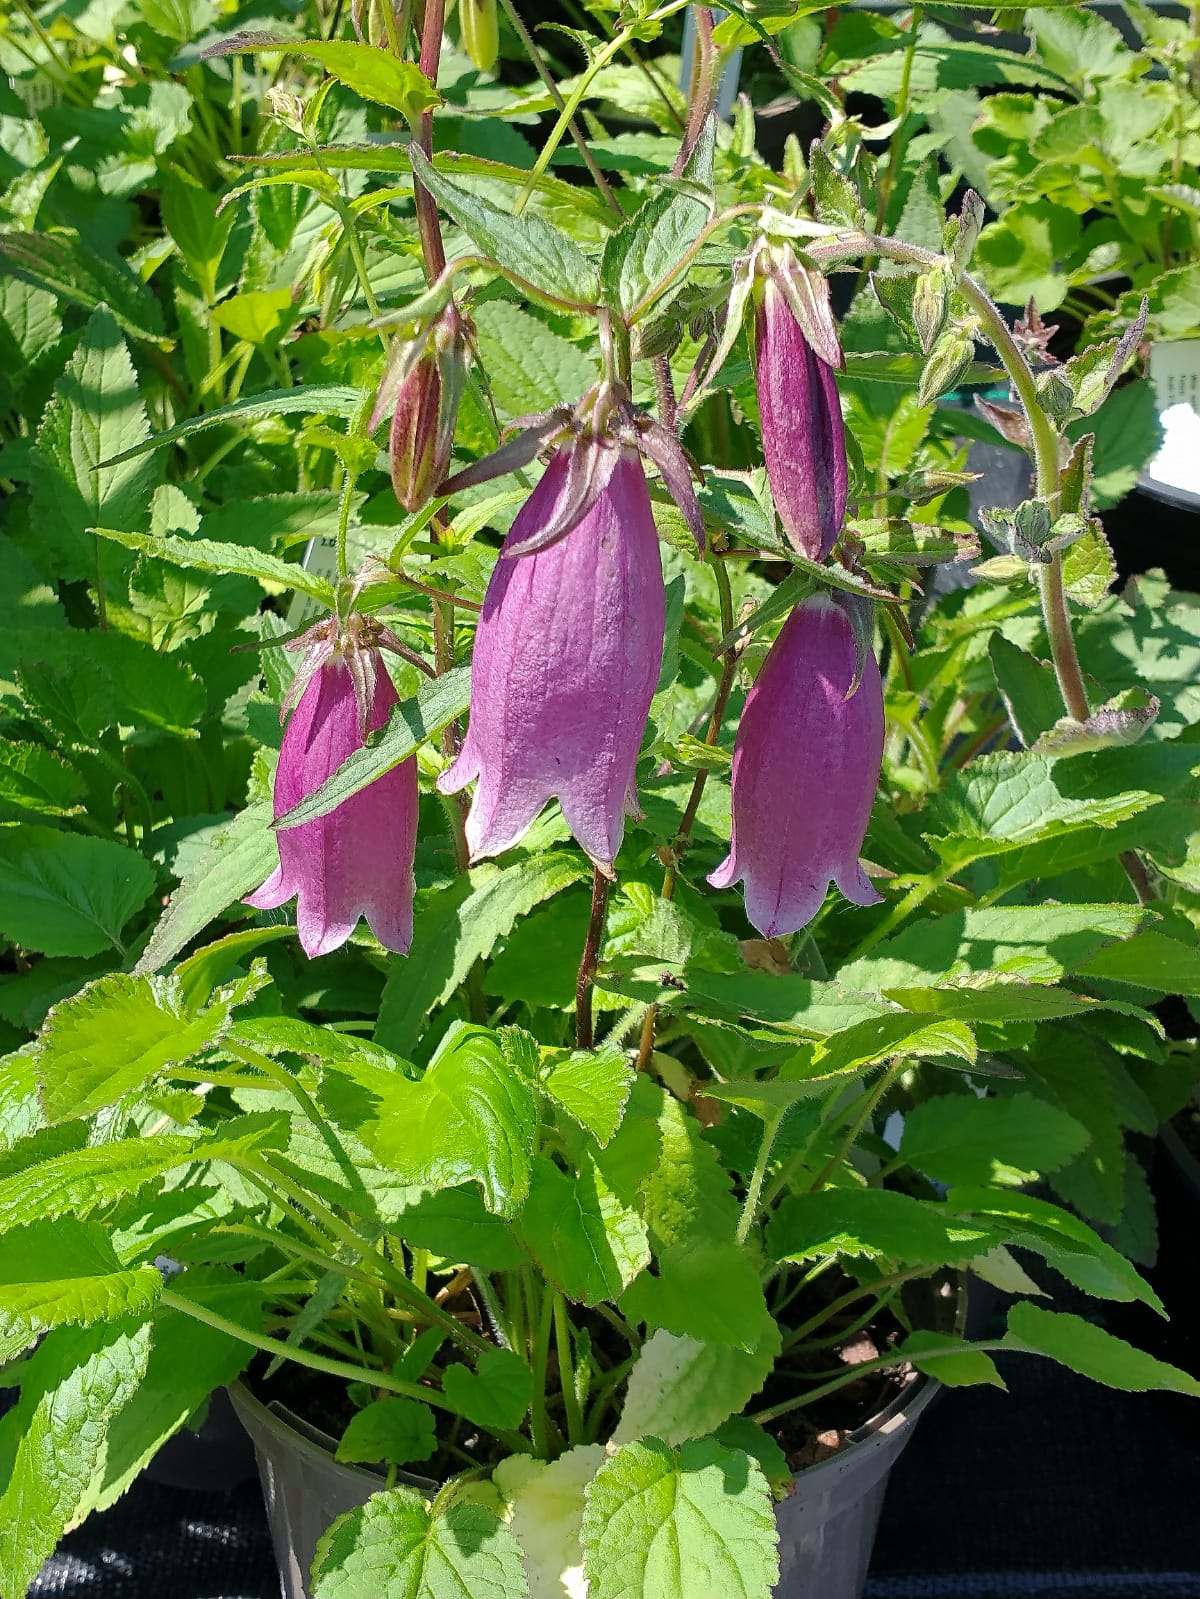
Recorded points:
(480, 32)
(804, 442)
(421, 387)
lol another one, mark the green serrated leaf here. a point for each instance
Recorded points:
(588, 1242)
(592, 1086)
(60, 261)
(496, 1394)
(543, 260)
(875, 1224)
(651, 244)
(205, 555)
(674, 1523)
(401, 1546)
(681, 1388)
(64, 894)
(470, 1118)
(960, 1139)
(95, 413)
(65, 1270)
(114, 1036)
(1088, 1349)
(375, 74)
(319, 399)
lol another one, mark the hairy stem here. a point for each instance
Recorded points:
(584, 1033)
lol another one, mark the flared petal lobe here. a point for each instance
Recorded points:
(804, 441)
(567, 657)
(805, 768)
(357, 860)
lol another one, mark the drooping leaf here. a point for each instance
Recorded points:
(1088, 1349)
(875, 1224)
(375, 74)
(66, 1271)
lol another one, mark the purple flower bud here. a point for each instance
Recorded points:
(567, 657)
(422, 386)
(357, 860)
(804, 442)
(805, 766)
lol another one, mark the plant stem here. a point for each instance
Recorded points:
(301, 1356)
(853, 1373)
(428, 223)
(566, 1370)
(584, 1034)
(702, 90)
(844, 1301)
(692, 809)
(541, 1357)
(899, 144)
(552, 89)
(856, 1126)
(757, 1177)
(344, 1233)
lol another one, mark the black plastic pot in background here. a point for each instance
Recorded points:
(1157, 526)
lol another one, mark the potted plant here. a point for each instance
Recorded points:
(626, 1250)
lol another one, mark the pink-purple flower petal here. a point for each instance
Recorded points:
(357, 860)
(805, 767)
(567, 656)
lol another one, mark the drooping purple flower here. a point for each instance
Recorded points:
(567, 657)
(804, 441)
(805, 766)
(358, 859)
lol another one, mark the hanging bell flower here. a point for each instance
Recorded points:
(796, 349)
(421, 388)
(358, 859)
(569, 642)
(805, 767)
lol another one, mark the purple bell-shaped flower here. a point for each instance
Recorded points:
(804, 440)
(358, 859)
(567, 656)
(805, 767)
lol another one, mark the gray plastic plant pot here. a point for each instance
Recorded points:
(826, 1526)
(304, 1487)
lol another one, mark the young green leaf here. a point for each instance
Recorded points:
(592, 1086)
(588, 1242)
(393, 1432)
(496, 1394)
(650, 245)
(875, 1224)
(114, 1036)
(66, 1271)
(206, 555)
